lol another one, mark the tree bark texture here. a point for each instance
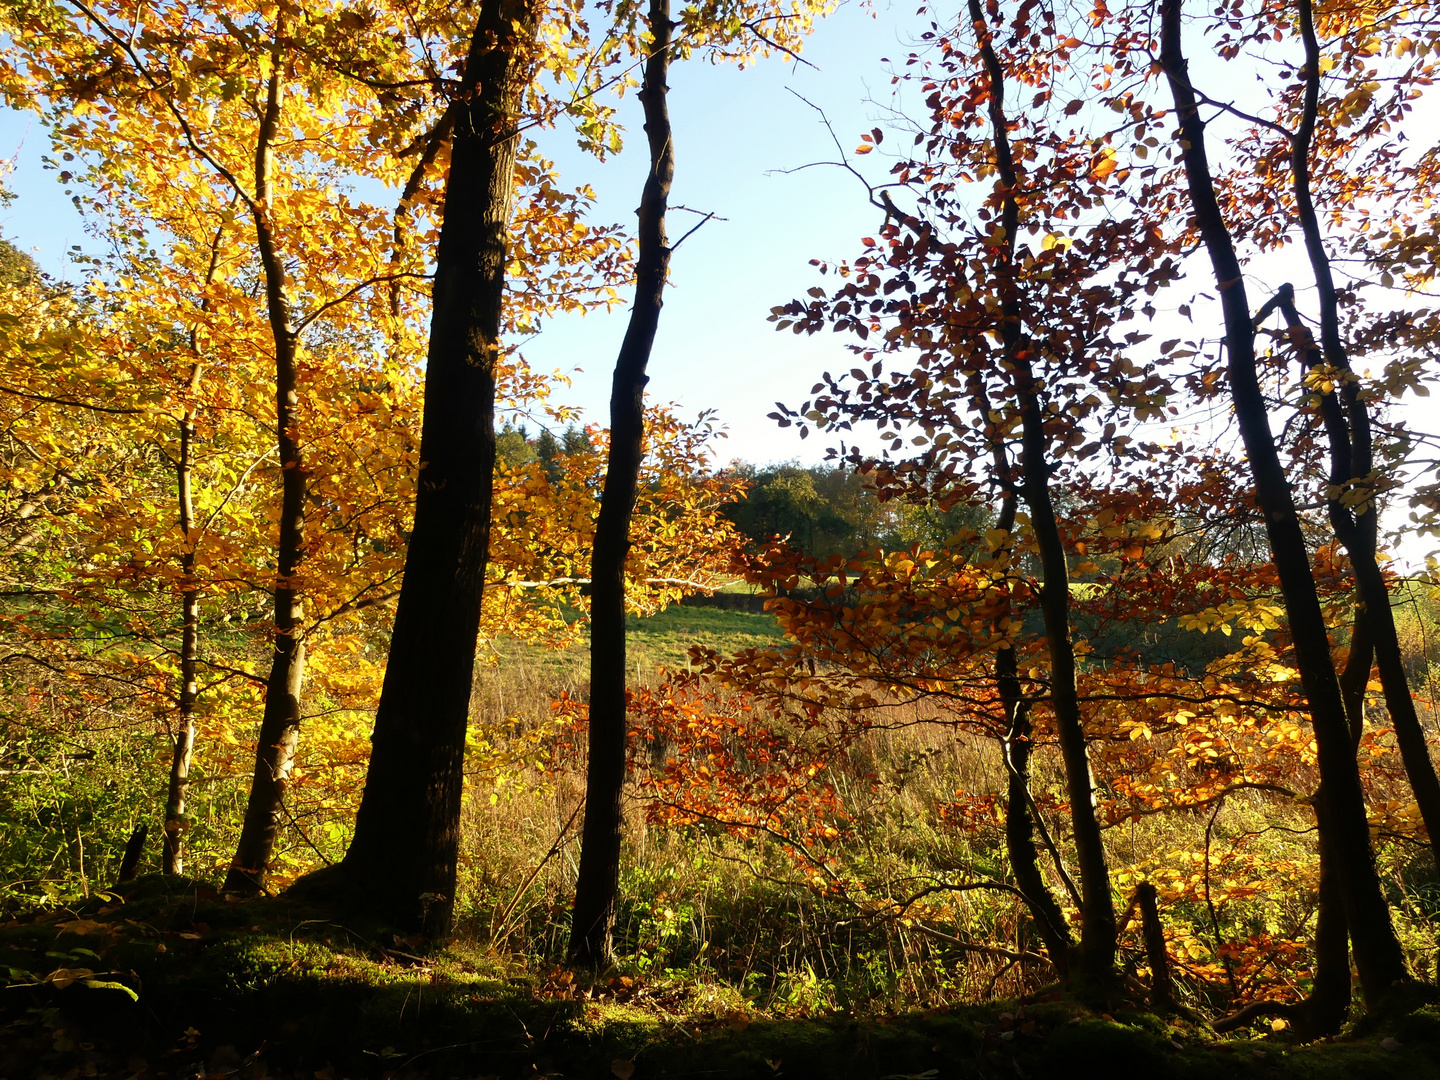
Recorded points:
(173, 854)
(280, 721)
(598, 880)
(402, 861)
(1097, 910)
(1378, 955)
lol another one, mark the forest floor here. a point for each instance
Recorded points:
(172, 981)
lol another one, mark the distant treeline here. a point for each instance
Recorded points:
(820, 509)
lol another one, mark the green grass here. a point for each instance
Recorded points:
(653, 643)
(664, 640)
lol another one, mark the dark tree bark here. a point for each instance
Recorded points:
(1097, 910)
(280, 722)
(173, 856)
(1017, 747)
(402, 860)
(1049, 919)
(1378, 955)
(134, 848)
(1356, 526)
(1162, 989)
(595, 888)
(1324, 1010)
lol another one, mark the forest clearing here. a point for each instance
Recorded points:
(371, 710)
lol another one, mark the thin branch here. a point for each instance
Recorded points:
(190, 138)
(66, 401)
(696, 226)
(350, 293)
(753, 27)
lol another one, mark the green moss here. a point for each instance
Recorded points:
(224, 981)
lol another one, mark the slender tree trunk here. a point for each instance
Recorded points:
(598, 880)
(1323, 1011)
(1357, 528)
(178, 788)
(402, 860)
(280, 722)
(1020, 825)
(1378, 955)
(173, 856)
(1097, 910)
(1017, 747)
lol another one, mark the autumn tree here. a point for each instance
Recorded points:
(343, 279)
(1377, 952)
(1016, 345)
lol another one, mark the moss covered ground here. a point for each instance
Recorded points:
(170, 980)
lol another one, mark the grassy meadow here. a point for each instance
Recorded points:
(732, 961)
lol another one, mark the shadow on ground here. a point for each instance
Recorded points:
(173, 981)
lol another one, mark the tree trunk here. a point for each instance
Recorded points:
(402, 860)
(1356, 525)
(173, 856)
(280, 722)
(134, 848)
(595, 888)
(1097, 909)
(1323, 1011)
(1329, 1000)
(1162, 989)
(1020, 825)
(1017, 747)
(1378, 955)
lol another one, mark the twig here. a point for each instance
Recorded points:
(520, 892)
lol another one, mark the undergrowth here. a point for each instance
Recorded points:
(170, 980)
(733, 957)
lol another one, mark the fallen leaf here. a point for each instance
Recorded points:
(60, 978)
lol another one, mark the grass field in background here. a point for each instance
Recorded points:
(656, 642)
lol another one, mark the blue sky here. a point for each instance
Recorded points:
(735, 132)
